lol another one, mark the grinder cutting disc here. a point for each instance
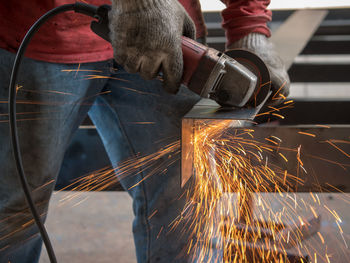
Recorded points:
(255, 64)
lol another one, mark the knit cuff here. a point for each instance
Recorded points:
(250, 41)
(134, 5)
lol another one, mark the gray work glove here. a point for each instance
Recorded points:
(146, 37)
(261, 46)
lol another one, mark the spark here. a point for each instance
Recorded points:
(155, 212)
(81, 201)
(289, 102)
(307, 134)
(273, 108)
(273, 142)
(321, 237)
(160, 231)
(47, 91)
(277, 93)
(278, 139)
(323, 126)
(88, 77)
(278, 115)
(81, 70)
(51, 182)
(59, 92)
(284, 158)
(18, 87)
(339, 149)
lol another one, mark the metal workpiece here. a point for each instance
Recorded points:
(323, 164)
(209, 109)
(208, 112)
(316, 156)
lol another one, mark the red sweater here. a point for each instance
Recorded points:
(67, 38)
(242, 17)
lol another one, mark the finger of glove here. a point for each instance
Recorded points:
(189, 28)
(172, 68)
(150, 67)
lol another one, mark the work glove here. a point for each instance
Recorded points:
(146, 38)
(261, 46)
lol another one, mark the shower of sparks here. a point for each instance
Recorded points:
(154, 163)
(226, 162)
(272, 110)
(230, 161)
(94, 76)
(234, 162)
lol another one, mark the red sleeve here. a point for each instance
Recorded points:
(193, 8)
(242, 17)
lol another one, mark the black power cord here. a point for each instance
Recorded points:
(82, 8)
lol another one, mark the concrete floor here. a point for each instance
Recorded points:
(91, 227)
(96, 227)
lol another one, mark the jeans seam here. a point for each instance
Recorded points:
(148, 258)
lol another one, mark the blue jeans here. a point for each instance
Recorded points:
(134, 117)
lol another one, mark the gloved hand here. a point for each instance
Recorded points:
(146, 37)
(261, 46)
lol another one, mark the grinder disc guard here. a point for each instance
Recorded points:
(257, 66)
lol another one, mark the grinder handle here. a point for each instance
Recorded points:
(192, 52)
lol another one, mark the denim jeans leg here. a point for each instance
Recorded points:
(52, 101)
(147, 119)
